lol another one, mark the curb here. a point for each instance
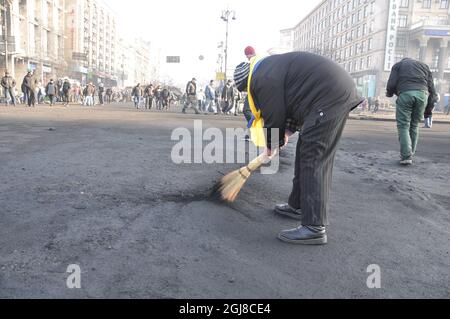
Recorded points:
(366, 118)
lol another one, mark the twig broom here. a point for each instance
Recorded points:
(229, 187)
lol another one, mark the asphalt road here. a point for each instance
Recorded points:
(97, 188)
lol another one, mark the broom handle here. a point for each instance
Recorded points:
(259, 161)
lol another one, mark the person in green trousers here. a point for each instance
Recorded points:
(412, 82)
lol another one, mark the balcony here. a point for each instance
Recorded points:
(430, 28)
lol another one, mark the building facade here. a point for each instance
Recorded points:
(367, 37)
(34, 32)
(91, 42)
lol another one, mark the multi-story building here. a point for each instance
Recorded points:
(138, 62)
(35, 38)
(367, 37)
(91, 41)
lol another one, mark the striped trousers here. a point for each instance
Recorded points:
(316, 150)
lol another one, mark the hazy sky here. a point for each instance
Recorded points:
(190, 28)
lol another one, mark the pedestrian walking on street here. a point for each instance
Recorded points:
(101, 92)
(59, 85)
(309, 93)
(158, 97)
(9, 84)
(165, 97)
(191, 96)
(108, 94)
(89, 92)
(218, 99)
(210, 95)
(228, 94)
(149, 95)
(376, 104)
(137, 94)
(412, 82)
(201, 101)
(29, 88)
(50, 90)
(66, 92)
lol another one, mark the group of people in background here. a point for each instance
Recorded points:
(214, 98)
(33, 92)
(153, 96)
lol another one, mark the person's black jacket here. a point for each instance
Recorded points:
(301, 87)
(66, 87)
(410, 75)
(29, 83)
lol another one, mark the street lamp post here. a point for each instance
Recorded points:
(7, 5)
(226, 14)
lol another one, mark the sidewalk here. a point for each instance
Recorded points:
(389, 116)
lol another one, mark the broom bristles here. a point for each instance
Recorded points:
(229, 187)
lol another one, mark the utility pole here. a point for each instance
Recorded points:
(7, 4)
(226, 17)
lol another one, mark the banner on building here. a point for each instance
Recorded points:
(391, 36)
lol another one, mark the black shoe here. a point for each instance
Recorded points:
(286, 210)
(304, 236)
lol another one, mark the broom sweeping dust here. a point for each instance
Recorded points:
(229, 187)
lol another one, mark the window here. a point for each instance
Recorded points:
(402, 21)
(370, 44)
(404, 3)
(426, 4)
(366, 11)
(365, 29)
(401, 42)
(361, 64)
(444, 4)
(369, 62)
(372, 8)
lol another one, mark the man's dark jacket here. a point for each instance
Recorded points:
(50, 89)
(29, 82)
(8, 82)
(410, 75)
(301, 87)
(66, 87)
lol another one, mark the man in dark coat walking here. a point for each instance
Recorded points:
(66, 92)
(8, 84)
(313, 95)
(29, 89)
(50, 91)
